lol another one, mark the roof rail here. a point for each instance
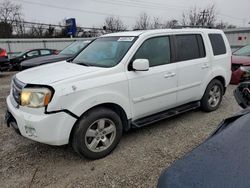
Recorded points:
(192, 26)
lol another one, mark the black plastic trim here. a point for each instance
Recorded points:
(164, 114)
(63, 110)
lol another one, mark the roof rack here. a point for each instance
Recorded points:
(191, 26)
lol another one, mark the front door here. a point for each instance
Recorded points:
(154, 90)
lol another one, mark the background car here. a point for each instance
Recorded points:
(67, 53)
(4, 61)
(223, 159)
(29, 54)
(240, 61)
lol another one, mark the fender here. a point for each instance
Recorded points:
(216, 73)
(79, 103)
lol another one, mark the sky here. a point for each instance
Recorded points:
(92, 13)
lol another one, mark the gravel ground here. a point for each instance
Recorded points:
(137, 161)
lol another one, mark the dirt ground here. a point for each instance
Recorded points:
(137, 161)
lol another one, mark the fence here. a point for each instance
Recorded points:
(238, 37)
(14, 46)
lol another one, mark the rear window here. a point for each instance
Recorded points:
(189, 47)
(218, 44)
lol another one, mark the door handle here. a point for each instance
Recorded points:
(169, 75)
(205, 66)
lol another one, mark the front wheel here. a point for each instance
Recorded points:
(97, 133)
(212, 97)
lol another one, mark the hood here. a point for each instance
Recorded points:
(44, 60)
(51, 73)
(242, 60)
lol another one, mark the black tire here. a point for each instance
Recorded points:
(205, 104)
(79, 140)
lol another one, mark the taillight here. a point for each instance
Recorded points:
(3, 53)
(56, 52)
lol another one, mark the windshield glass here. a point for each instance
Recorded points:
(20, 54)
(74, 48)
(105, 52)
(244, 51)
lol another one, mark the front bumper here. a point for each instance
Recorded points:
(52, 129)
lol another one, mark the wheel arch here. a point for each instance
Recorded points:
(222, 80)
(113, 106)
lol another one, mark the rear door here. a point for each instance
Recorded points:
(193, 67)
(154, 90)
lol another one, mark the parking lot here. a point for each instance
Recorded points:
(137, 161)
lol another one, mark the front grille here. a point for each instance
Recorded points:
(235, 67)
(17, 87)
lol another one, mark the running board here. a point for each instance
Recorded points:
(165, 114)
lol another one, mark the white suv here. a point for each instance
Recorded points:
(119, 81)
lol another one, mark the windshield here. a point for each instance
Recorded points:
(105, 52)
(74, 48)
(20, 54)
(244, 51)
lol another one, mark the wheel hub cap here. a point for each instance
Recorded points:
(100, 135)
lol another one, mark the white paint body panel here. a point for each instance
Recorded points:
(138, 93)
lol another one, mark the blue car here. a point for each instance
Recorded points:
(223, 160)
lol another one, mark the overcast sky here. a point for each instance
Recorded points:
(89, 13)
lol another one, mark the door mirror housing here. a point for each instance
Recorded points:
(140, 65)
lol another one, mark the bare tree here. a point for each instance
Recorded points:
(171, 24)
(114, 24)
(156, 24)
(11, 15)
(200, 17)
(143, 22)
(224, 25)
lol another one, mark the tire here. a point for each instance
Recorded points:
(97, 133)
(212, 97)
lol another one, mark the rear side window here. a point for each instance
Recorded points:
(156, 50)
(45, 52)
(218, 44)
(189, 47)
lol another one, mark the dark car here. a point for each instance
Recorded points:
(4, 61)
(29, 54)
(240, 61)
(67, 53)
(223, 160)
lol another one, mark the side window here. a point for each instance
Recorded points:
(45, 52)
(218, 44)
(156, 50)
(32, 53)
(189, 47)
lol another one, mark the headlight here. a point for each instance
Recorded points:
(245, 68)
(35, 97)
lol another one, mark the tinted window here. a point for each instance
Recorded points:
(156, 50)
(45, 52)
(217, 43)
(189, 47)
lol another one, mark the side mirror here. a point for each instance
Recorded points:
(140, 65)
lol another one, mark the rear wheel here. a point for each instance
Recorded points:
(212, 96)
(97, 133)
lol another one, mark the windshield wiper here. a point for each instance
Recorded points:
(83, 63)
